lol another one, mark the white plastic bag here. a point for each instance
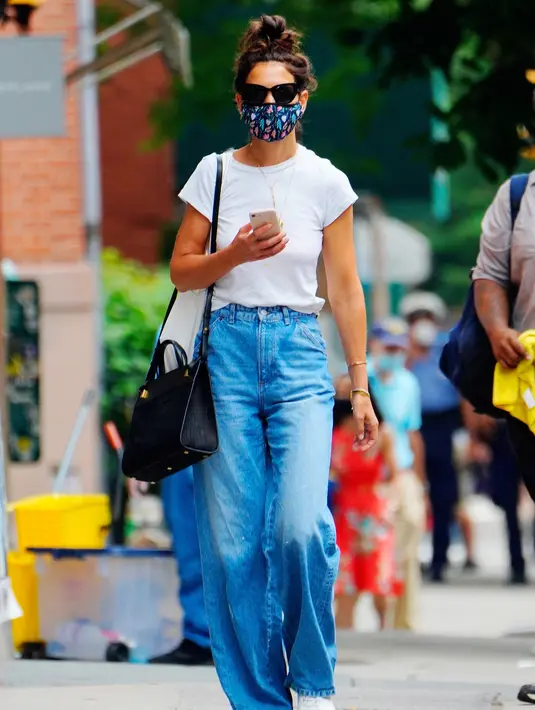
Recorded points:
(185, 318)
(9, 607)
(183, 324)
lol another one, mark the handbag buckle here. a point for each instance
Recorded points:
(144, 394)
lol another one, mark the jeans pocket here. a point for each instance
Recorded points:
(215, 320)
(311, 331)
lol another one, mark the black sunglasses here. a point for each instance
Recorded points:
(255, 94)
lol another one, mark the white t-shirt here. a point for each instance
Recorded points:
(310, 194)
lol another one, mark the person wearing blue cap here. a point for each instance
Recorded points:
(398, 396)
(425, 312)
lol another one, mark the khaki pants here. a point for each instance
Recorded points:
(410, 526)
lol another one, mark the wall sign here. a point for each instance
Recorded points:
(31, 87)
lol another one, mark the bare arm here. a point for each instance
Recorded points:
(389, 453)
(347, 303)
(345, 293)
(192, 268)
(492, 305)
(492, 280)
(418, 450)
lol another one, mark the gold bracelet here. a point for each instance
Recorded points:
(360, 391)
(357, 363)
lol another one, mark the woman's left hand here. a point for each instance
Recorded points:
(367, 424)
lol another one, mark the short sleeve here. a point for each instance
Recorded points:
(495, 244)
(199, 189)
(414, 404)
(338, 193)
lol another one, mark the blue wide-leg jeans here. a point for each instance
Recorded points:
(267, 538)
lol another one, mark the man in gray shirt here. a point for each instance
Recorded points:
(506, 262)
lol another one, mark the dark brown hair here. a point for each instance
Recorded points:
(270, 40)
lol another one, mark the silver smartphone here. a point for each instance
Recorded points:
(260, 217)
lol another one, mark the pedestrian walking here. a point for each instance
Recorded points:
(504, 293)
(398, 397)
(365, 518)
(492, 459)
(179, 510)
(441, 417)
(267, 538)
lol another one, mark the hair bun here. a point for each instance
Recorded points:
(270, 30)
(272, 27)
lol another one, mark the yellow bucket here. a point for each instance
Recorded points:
(21, 571)
(61, 520)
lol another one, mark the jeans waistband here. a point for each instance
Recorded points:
(234, 312)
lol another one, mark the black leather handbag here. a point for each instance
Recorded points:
(173, 423)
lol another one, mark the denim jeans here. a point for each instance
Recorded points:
(268, 544)
(179, 510)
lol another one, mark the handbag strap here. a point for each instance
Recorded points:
(210, 291)
(213, 248)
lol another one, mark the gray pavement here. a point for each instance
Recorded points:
(475, 604)
(376, 672)
(460, 659)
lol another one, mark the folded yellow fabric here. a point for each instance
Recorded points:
(514, 390)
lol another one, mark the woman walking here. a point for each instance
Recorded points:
(267, 538)
(365, 518)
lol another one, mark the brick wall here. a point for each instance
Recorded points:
(40, 179)
(41, 228)
(137, 186)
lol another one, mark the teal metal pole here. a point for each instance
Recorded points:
(440, 181)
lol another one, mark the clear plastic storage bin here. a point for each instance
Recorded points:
(113, 604)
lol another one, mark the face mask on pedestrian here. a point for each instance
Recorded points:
(271, 122)
(391, 362)
(424, 332)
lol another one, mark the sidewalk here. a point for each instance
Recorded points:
(459, 660)
(376, 672)
(476, 604)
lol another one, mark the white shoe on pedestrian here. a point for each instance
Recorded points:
(305, 702)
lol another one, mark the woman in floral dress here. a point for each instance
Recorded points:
(364, 516)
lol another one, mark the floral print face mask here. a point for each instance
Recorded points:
(271, 122)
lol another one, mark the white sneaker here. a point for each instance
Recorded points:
(304, 702)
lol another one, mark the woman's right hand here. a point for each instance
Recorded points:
(248, 244)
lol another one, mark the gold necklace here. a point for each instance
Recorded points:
(272, 187)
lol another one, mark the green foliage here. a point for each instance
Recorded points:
(455, 244)
(484, 51)
(215, 28)
(135, 302)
